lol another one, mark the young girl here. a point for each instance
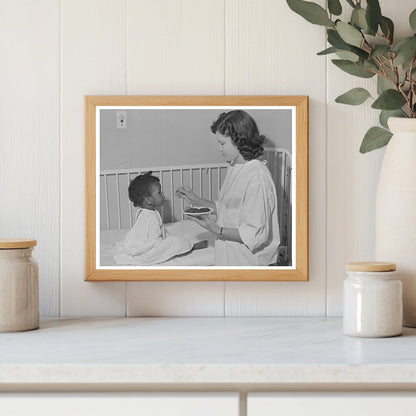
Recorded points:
(144, 243)
(247, 226)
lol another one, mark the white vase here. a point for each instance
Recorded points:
(396, 210)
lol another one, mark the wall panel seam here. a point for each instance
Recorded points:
(126, 57)
(60, 17)
(326, 184)
(225, 50)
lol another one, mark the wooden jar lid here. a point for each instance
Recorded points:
(371, 266)
(11, 243)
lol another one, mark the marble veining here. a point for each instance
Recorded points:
(203, 350)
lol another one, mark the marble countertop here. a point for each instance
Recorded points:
(204, 351)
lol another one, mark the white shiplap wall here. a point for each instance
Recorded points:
(55, 52)
(30, 134)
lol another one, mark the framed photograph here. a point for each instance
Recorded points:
(196, 188)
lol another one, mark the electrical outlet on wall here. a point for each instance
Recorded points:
(121, 118)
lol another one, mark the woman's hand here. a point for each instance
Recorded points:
(187, 194)
(207, 222)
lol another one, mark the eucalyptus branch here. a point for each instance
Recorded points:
(413, 90)
(369, 46)
(412, 86)
(380, 64)
(395, 71)
(386, 61)
(383, 64)
(384, 73)
(387, 38)
(368, 35)
(412, 65)
(406, 97)
(389, 62)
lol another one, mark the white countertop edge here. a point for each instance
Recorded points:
(207, 374)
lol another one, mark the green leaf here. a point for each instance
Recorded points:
(355, 96)
(373, 15)
(405, 43)
(375, 138)
(327, 51)
(389, 100)
(387, 27)
(370, 65)
(336, 41)
(383, 84)
(386, 114)
(405, 50)
(352, 68)
(311, 12)
(334, 7)
(349, 34)
(412, 20)
(360, 52)
(347, 55)
(358, 18)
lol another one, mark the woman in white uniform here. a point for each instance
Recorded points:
(246, 226)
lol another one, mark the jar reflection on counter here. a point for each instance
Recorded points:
(372, 298)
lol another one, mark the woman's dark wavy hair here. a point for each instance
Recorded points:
(140, 187)
(243, 131)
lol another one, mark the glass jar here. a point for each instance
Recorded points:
(19, 286)
(372, 297)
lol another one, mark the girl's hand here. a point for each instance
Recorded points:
(187, 194)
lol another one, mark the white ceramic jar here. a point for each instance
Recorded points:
(19, 286)
(372, 297)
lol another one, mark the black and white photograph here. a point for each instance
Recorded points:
(195, 187)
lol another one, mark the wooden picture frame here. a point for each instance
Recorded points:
(123, 111)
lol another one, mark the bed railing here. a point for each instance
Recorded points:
(279, 162)
(117, 212)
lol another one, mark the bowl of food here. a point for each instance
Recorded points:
(197, 211)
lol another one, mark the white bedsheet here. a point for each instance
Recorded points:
(187, 229)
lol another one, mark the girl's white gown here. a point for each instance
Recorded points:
(144, 244)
